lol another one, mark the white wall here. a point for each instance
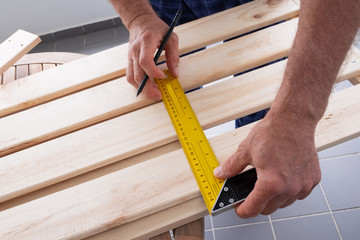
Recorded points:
(46, 16)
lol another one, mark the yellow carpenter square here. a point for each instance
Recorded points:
(197, 149)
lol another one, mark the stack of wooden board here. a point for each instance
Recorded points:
(82, 157)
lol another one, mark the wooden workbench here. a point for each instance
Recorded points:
(82, 157)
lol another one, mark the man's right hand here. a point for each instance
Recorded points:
(146, 34)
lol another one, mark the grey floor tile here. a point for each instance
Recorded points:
(98, 26)
(306, 228)
(229, 218)
(208, 235)
(97, 48)
(44, 47)
(207, 222)
(70, 32)
(122, 34)
(103, 37)
(72, 44)
(314, 203)
(48, 38)
(348, 223)
(342, 85)
(117, 21)
(248, 232)
(349, 147)
(340, 181)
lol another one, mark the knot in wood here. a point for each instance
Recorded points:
(258, 16)
(273, 2)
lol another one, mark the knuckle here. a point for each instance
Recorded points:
(268, 211)
(174, 38)
(142, 60)
(293, 191)
(230, 164)
(133, 47)
(146, 36)
(129, 76)
(307, 188)
(130, 80)
(276, 186)
(137, 77)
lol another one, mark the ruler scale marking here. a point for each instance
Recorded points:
(197, 149)
(218, 195)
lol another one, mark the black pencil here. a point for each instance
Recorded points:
(161, 48)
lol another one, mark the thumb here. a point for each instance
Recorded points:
(235, 164)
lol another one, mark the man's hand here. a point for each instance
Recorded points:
(283, 152)
(281, 147)
(146, 35)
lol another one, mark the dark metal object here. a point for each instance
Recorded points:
(235, 190)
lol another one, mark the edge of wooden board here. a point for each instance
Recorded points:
(39, 153)
(109, 203)
(117, 97)
(15, 47)
(111, 63)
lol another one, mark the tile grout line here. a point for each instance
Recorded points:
(241, 225)
(332, 215)
(85, 39)
(340, 156)
(272, 227)
(347, 209)
(55, 45)
(212, 227)
(300, 216)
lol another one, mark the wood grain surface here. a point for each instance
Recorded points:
(101, 67)
(15, 47)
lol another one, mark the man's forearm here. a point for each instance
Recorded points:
(129, 10)
(325, 32)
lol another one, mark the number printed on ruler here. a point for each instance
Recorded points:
(198, 151)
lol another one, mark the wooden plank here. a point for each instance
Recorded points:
(22, 71)
(62, 80)
(355, 80)
(234, 22)
(48, 57)
(91, 175)
(156, 223)
(118, 97)
(191, 231)
(163, 236)
(336, 126)
(16, 46)
(111, 63)
(127, 232)
(47, 66)
(35, 68)
(32, 168)
(165, 181)
(9, 76)
(46, 163)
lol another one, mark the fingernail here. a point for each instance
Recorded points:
(218, 171)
